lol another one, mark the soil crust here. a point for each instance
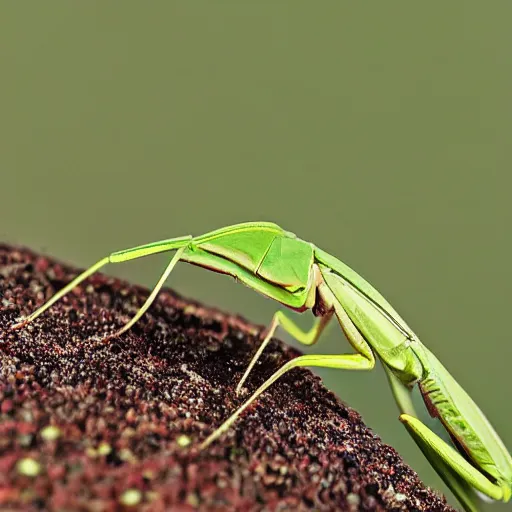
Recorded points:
(92, 426)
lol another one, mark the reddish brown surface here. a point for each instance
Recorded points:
(174, 373)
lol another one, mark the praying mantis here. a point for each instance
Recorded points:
(299, 275)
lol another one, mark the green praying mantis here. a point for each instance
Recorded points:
(277, 264)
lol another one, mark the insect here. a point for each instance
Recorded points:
(277, 264)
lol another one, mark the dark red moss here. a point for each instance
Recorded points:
(120, 408)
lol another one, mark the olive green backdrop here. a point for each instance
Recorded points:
(379, 131)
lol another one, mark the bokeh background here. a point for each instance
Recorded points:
(381, 132)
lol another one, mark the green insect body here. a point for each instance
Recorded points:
(301, 276)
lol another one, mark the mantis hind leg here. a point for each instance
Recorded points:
(305, 337)
(364, 360)
(344, 361)
(118, 257)
(435, 451)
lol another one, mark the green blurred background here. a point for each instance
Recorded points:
(380, 132)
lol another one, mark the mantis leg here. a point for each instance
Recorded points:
(344, 361)
(364, 360)
(115, 257)
(459, 485)
(455, 470)
(153, 294)
(305, 337)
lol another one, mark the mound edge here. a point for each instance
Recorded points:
(93, 426)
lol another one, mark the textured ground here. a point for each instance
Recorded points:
(89, 426)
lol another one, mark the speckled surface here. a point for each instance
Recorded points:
(93, 426)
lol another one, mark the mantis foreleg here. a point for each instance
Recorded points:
(461, 472)
(460, 486)
(305, 337)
